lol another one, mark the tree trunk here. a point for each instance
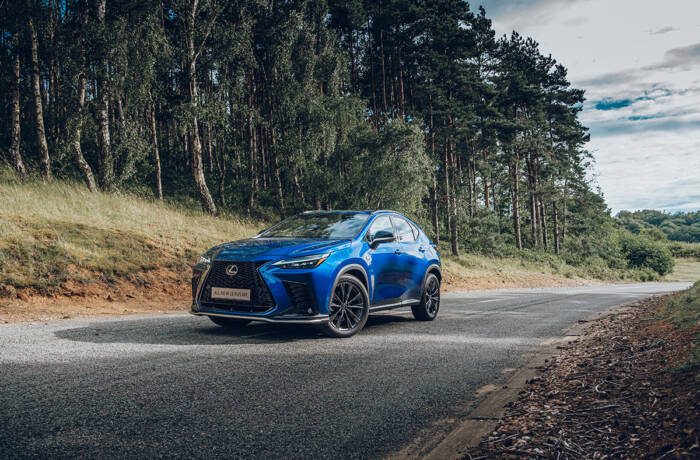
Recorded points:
(381, 46)
(210, 149)
(106, 162)
(448, 210)
(197, 164)
(563, 218)
(402, 98)
(434, 189)
(38, 105)
(543, 224)
(453, 205)
(533, 201)
(514, 194)
(15, 134)
(372, 82)
(485, 179)
(277, 172)
(83, 165)
(79, 157)
(252, 144)
(156, 151)
(555, 216)
(434, 212)
(299, 190)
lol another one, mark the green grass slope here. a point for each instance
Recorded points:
(54, 232)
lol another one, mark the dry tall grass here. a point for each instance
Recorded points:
(50, 231)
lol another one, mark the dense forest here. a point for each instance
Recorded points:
(265, 108)
(680, 226)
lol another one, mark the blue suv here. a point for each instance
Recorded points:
(330, 268)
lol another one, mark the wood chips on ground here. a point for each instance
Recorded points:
(620, 391)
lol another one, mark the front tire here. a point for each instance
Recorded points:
(427, 309)
(229, 323)
(348, 309)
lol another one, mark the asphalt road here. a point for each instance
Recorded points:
(177, 385)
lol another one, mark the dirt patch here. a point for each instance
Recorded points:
(160, 290)
(462, 282)
(622, 390)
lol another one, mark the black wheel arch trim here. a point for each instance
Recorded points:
(428, 270)
(349, 268)
(344, 271)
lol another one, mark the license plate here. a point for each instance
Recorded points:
(230, 294)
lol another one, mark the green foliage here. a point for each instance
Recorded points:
(653, 233)
(386, 170)
(642, 252)
(676, 227)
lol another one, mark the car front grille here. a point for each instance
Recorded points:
(247, 277)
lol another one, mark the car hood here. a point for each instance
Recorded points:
(275, 248)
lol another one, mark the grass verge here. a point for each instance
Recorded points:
(54, 233)
(683, 310)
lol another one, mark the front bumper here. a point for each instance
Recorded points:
(289, 319)
(282, 284)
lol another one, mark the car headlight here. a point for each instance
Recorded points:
(302, 262)
(204, 259)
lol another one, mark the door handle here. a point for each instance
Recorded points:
(398, 251)
(421, 249)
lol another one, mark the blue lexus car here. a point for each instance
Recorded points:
(329, 268)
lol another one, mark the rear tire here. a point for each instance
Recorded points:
(229, 323)
(348, 308)
(427, 309)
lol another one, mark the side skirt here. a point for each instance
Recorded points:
(391, 306)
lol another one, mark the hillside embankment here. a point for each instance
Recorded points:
(66, 252)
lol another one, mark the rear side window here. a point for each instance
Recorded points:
(404, 232)
(380, 224)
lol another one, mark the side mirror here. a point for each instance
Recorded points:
(382, 236)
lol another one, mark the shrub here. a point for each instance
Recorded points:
(654, 233)
(642, 253)
(683, 249)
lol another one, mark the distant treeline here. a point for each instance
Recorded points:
(271, 107)
(680, 226)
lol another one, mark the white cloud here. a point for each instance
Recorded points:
(643, 60)
(648, 171)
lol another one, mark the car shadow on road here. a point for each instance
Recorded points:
(182, 330)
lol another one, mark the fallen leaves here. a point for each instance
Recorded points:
(614, 392)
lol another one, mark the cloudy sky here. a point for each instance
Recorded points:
(639, 62)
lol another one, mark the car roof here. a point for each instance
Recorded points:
(338, 211)
(352, 211)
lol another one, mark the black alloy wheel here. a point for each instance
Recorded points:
(348, 308)
(429, 305)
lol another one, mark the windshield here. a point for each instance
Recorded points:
(332, 226)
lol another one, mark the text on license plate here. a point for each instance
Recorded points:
(230, 294)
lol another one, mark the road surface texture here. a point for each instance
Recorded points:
(177, 385)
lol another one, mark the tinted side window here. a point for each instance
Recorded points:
(380, 224)
(404, 232)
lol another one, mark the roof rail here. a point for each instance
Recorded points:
(312, 211)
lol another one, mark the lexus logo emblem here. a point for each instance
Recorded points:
(232, 270)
